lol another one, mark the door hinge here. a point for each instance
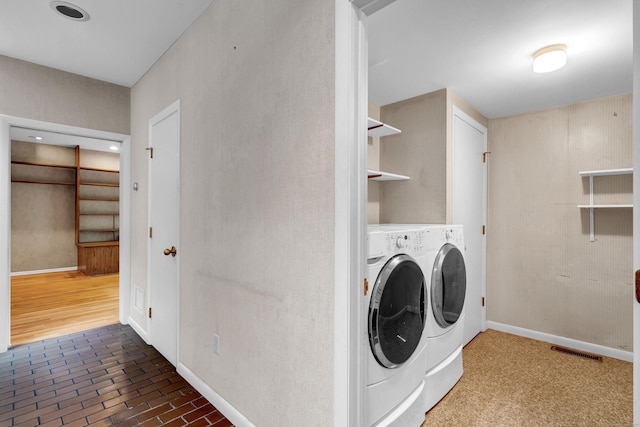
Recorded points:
(366, 287)
(484, 230)
(149, 312)
(483, 301)
(150, 232)
(150, 150)
(484, 156)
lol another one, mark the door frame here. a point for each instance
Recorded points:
(636, 209)
(6, 122)
(457, 112)
(173, 108)
(350, 231)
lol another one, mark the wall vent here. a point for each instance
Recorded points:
(573, 352)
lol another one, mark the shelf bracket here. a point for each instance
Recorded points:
(592, 234)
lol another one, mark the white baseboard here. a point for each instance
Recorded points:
(627, 356)
(51, 270)
(216, 400)
(139, 330)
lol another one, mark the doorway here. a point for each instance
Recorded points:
(6, 124)
(164, 249)
(470, 210)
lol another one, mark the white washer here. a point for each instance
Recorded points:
(445, 319)
(396, 306)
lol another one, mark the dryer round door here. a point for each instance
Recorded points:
(397, 311)
(448, 285)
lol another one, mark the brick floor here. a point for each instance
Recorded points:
(101, 377)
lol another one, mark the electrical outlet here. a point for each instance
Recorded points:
(216, 344)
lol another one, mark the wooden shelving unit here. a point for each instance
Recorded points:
(97, 218)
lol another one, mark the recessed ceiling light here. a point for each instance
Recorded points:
(69, 10)
(550, 58)
(114, 148)
(37, 138)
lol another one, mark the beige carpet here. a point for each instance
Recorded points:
(514, 381)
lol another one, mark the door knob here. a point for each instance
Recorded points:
(171, 251)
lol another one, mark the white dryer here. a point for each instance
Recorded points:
(445, 320)
(396, 315)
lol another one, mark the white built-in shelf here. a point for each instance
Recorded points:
(604, 206)
(592, 206)
(375, 175)
(607, 172)
(377, 128)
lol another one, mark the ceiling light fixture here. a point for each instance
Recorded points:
(114, 148)
(37, 138)
(550, 58)
(69, 10)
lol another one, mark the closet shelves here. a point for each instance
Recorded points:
(47, 165)
(84, 168)
(96, 199)
(377, 128)
(375, 175)
(593, 206)
(25, 181)
(42, 181)
(100, 184)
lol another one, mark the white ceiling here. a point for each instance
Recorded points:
(120, 42)
(483, 51)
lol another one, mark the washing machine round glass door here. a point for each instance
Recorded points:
(448, 285)
(397, 311)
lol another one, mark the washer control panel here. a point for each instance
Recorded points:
(409, 241)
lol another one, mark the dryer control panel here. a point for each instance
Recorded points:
(453, 234)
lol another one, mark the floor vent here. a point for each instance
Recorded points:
(573, 352)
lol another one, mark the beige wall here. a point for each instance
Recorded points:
(543, 273)
(256, 86)
(418, 152)
(35, 92)
(423, 151)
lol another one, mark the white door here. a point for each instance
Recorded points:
(469, 209)
(164, 251)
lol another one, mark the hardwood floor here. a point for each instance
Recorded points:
(101, 377)
(54, 304)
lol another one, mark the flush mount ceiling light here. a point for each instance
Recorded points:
(114, 148)
(550, 58)
(37, 138)
(69, 10)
